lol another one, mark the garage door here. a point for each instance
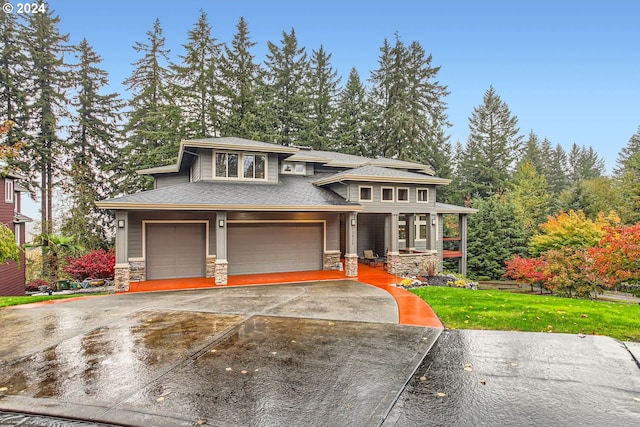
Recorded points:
(270, 248)
(175, 250)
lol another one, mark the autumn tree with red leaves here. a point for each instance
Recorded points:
(617, 258)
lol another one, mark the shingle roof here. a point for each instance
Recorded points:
(332, 158)
(381, 174)
(291, 193)
(445, 208)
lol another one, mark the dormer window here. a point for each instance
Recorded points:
(8, 190)
(294, 168)
(240, 166)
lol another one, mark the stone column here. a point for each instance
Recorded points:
(121, 277)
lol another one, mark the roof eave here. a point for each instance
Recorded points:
(202, 207)
(400, 180)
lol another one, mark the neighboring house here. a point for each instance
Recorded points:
(232, 206)
(12, 274)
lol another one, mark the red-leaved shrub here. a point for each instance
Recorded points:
(97, 264)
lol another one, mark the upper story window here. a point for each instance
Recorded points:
(8, 190)
(403, 194)
(366, 194)
(240, 165)
(422, 195)
(294, 168)
(387, 194)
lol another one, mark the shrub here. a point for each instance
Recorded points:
(97, 264)
(34, 285)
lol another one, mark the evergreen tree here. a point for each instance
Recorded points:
(153, 120)
(285, 105)
(13, 84)
(495, 235)
(241, 86)
(353, 118)
(93, 135)
(197, 83)
(632, 148)
(532, 153)
(629, 188)
(555, 167)
(407, 103)
(584, 164)
(48, 80)
(323, 90)
(492, 148)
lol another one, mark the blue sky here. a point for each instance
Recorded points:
(568, 69)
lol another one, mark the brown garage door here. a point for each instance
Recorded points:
(175, 250)
(273, 247)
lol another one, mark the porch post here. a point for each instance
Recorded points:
(221, 249)
(122, 272)
(463, 244)
(411, 232)
(351, 245)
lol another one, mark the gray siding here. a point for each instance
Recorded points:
(135, 227)
(196, 168)
(166, 180)
(378, 206)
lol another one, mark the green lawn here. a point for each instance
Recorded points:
(7, 301)
(505, 311)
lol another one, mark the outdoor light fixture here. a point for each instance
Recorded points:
(121, 223)
(221, 223)
(353, 222)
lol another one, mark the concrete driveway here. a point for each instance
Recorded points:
(312, 354)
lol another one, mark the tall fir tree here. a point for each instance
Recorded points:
(492, 148)
(555, 169)
(353, 118)
(495, 235)
(631, 149)
(532, 153)
(323, 90)
(13, 84)
(584, 164)
(285, 103)
(49, 78)
(531, 197)
(407, 102)
(92, 149)
(241, 86)
(628, 186)
(153, 120)
(197, 83)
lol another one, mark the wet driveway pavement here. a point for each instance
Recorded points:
(313, 354)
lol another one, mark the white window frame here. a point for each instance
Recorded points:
(16, 231)
(360, 187)
(418, 223)
(398, 195)
(418, 190)
(293, 168)
(9, 189)
(393, 192)
(240, 176)
(402, 223)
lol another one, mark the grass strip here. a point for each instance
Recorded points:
(505, 311)
(8, 301)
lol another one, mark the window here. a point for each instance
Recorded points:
(421, 227)
(227, 165)
(17, 233)
(294, 168)
(422, 195)
(366, 194)
(8, 191)
(402, 228)
(387, 194)
(403, 194)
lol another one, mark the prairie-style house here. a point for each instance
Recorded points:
(12, 274)
(232, 206)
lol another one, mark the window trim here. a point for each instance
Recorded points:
(9, 189)
(240, 166)
(398, 195)
(393, 195)
(402, 224)
(360, 199)
(418, 190)
(294, 168)
(418, 222)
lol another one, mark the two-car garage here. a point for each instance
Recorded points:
(178, 250)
